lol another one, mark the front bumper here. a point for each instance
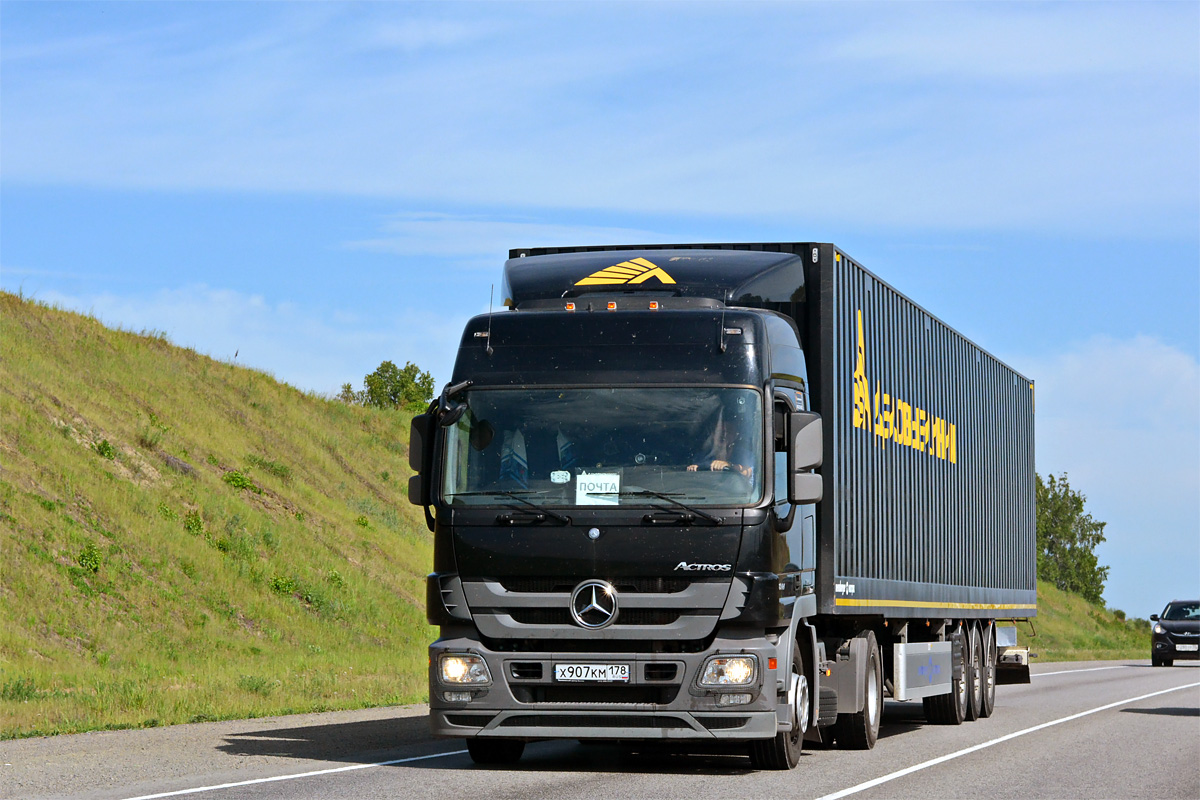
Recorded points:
(661, 701)
(1175, 648)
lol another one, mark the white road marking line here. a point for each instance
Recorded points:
(295, 776)
(862, 787)
(1089, 669)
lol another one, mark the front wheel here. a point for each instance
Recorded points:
(783, 751)
(495, 751)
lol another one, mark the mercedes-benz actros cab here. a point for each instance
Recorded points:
(726, 494)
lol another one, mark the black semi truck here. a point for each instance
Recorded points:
(719, 493)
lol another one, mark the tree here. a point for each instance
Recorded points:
(391, 387)
(1067, 539)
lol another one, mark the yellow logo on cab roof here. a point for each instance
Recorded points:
(637, 270)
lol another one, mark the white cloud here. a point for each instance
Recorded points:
(1035, 118)
(480, 239)
(312, 349)
(1122, 418)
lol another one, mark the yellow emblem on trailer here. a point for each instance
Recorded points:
(636, 270)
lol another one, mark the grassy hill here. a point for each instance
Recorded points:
(184, 539)
(1070, 628)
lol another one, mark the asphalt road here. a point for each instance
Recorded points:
(1080, 730)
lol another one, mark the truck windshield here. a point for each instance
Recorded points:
(607, 447)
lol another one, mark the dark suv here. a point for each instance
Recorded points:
(1176, 633)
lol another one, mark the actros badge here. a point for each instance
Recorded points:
(594, 604)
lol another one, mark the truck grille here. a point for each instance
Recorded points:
(561, 616)
(663, 609)
(554, 585)
(638, 695)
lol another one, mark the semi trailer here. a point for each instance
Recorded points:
(730, 494)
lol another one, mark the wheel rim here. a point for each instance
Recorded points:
(873, 693)
(977, 670)
(800, 704)
(991, 667)
(962, 683)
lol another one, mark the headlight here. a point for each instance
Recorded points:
(729, 671)
(462, 668)
(1159, 629)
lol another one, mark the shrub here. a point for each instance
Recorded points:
(90, 559)
(362, 521)
(193, 524)
(239, 481)
(166, 512)
(283, 584)
(106, 450)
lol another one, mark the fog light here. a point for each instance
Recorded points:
(456, 697)
(729, 671)
(733, 699)
(463, 668)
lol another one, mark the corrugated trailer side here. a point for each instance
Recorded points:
(929, 505)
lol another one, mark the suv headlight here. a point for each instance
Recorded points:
(729, 671)
(1159, 629)
(463, 668)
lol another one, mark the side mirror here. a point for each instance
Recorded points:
(805, 453)
(1154, 617)
(420, 444)
(805, 487)
(804, 427)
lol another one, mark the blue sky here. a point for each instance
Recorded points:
(319, 187)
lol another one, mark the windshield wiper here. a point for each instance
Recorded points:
(686, 518)
(509, 519)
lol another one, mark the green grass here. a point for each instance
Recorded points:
(186, 540)
(182, 538)
(1070, 628)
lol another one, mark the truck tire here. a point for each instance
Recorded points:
(989, 671)
(495, 751)
(783, 751)
(860, 730)
(951, 709)
(975, 647)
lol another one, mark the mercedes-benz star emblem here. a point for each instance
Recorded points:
(594, 604)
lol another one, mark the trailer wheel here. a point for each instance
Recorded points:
(860, 730)
(495, 751)
(951, 709)
(989, 671)
(783, 751)
(977, 669)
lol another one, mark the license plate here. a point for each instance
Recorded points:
(596, 673)
(1188, 648)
